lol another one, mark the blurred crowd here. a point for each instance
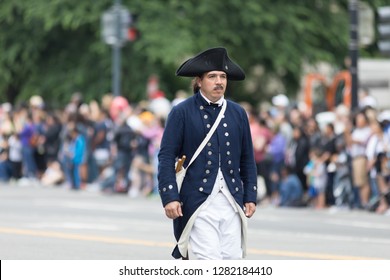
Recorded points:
(108, 144)
(332, 159)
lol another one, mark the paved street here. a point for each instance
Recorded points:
(55, 223)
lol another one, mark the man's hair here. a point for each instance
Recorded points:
(195, 86)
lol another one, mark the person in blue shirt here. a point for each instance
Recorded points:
(74, 151)
(291, 190)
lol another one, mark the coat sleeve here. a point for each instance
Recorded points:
(248, 170)
(171, 145)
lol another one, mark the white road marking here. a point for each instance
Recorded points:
(331, 237)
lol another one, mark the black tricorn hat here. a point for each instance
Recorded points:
(215, 59)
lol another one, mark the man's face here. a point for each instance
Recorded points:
(213, 85)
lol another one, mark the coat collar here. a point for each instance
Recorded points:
(202, 100)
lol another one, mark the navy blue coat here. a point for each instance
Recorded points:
(186, 127)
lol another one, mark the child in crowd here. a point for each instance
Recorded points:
(315, 171)
(291, 190)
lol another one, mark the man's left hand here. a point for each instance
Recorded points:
(250, 209)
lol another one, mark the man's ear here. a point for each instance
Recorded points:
(198, 80)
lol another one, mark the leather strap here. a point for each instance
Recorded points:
(209, 134)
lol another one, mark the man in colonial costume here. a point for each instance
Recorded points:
(219, 190)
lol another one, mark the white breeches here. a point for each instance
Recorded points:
(216, 233)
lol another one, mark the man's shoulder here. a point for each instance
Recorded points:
(185, 103)
(182, 109)
(234, 106)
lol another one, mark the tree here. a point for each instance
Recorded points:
(54, 48)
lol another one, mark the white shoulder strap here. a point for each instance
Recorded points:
(210, 133)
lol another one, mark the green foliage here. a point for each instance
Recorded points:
(54, 48)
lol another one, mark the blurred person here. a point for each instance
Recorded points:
(106, 103)
(7, 126)
(93, 109)
(315, 171)
(261, 137)
(375, 147)
(291, 191)
(15, 156)
(101, 141)
(295, 117)
(159, 105)
(313, 132)
(51, 132)
(155, 150)
(280, 101)
(117, 105)
(276, 151)
(365, 100)
(378, 149)
(153, 131)
(342, 118)
(124, 137)
(5, 168)
(383, 180)
(180, 96)
(328, 144)
(73, 153)
(7, 133)
(372, 114)
(280, 115)
(36, 102)
(85, 120)
(38, 140)
(75, 102)
(28, 140)
(265, 114)
(297, 154)
(284, 125)
(53, 174)
(142, 171)
(219, 190)
(356, 140)
(342, 186)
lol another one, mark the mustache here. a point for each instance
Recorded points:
(218, 87)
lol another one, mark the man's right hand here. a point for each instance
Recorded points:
(173, 210)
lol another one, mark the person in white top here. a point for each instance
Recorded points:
(15, 156)
(357, 144)
(375, 147)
